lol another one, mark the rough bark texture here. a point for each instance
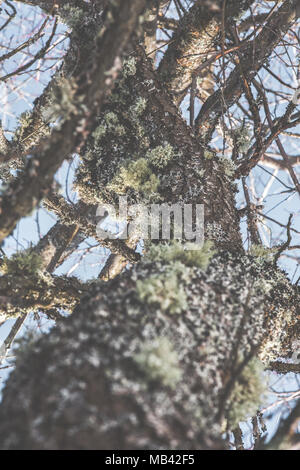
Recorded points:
(129, 371)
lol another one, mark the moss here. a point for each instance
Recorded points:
(158, 360)
(161, 156)
(177, 251)
(248, 394)
(136, 175)
(25, 263)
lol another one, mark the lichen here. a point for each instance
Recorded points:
(242, 138)
(137, 138)
(63, 101)
(262, 252)
(176, 251)
(30, 128)
(161, 155)
(228, 165)
(165, 290)
(129, 67)
(208, 154)
(136, 175)
(138, 107)
(72, 16)
(215, 232)
(110, 123)
(25, 263)
(159, 362)
(226, 317)
(248, 393)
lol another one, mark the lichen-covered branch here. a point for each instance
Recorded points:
(142, 148)
(197, 33)
(26, 286)
(101, 68)
(77, 215)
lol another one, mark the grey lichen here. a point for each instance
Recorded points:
(138, 107)
(242, 138)
(208, 154)
(166, 290)
(262, 252)
(110, 123)
(30, 128)
(228, 165)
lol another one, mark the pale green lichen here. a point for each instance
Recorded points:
(208, 154)
(72, 16)
(63, 101)
(24, 123)
(159, 362)
(110, 123)
(271, 348)
(138, 107)
(229, 166)
(242, 138)
(30, 128)
(129, 67)
(25, 263)
(247, 394)
(161, 156)
(165, 291)
(176, 251)
(136, 175)
(262, 252)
